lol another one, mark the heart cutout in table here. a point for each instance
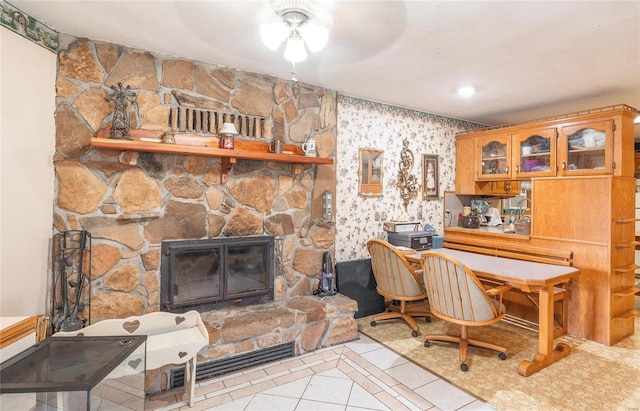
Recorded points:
(134, 363)
(179, 320)
(181, 354)
(131, 326)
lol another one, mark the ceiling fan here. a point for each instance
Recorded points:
(301, 24)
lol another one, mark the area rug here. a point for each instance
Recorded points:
(592, 377)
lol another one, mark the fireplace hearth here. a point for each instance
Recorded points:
(215, 273)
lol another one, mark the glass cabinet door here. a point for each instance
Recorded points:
(534, 153)
(586, 148)
(495, 157)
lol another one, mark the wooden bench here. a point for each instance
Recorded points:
(171, 339)
(526, 253)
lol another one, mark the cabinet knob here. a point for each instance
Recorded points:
(564, 165)
(517, 169)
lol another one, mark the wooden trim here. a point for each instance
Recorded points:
(516, 251)
(570, 240)
(562, 118)
(17, 331)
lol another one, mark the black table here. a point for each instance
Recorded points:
(76, 373)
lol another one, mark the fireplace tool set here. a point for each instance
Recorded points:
(71, 292)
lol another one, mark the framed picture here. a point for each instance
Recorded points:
(430, 177)
(370, 172)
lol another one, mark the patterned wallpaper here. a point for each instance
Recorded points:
(20, 22)
(366, 124)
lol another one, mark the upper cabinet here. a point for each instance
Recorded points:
(580, 144)
(494, 160)
(534, 153)
(586, 148)
(520, 155)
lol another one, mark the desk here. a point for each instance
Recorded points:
(526, 276)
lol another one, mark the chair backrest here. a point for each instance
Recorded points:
(393, 273)
(455, 293)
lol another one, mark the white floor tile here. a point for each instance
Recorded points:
(328, 389)
(332, 389)
(236, 405)
(355, 366)
(363, 344)
(307, 405)
(444, 395)
(411, 375)
(408, 404)
(265, 402)
(382, 385)
(383, 358)
(361, 398)
(293, 389)
(477, 405)
(334, 372)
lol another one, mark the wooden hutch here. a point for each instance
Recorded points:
(581, 167)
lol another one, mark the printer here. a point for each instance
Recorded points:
(418, 240)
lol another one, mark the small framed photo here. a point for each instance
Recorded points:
(430, 177)
(370, 172)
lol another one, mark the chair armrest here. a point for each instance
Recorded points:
(498, 290)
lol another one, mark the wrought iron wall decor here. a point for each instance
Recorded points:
(407, 182)
(120, 124)
(71, 293)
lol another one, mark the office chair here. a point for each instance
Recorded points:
(456, 295)
(396, 280)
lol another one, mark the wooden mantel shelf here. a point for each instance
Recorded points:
(140, 146)
(254, 151)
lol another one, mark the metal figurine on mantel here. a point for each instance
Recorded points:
(407, 183)
(120, 125)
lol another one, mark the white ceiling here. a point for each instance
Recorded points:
(528, 59)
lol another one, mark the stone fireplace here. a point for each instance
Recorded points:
(133, 203)
(216, 273)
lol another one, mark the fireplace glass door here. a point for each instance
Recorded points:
(211, 273)
(197, 275)
(247, 269)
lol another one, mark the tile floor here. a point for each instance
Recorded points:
(359, 375)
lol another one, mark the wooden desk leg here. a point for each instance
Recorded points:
(546, 353)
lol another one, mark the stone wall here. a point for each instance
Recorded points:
(131, 202)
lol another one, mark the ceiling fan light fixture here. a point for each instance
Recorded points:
(300, 22)
(295, 52)
(273, 34)
(315, 36)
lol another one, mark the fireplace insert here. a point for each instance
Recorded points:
(215, 273)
